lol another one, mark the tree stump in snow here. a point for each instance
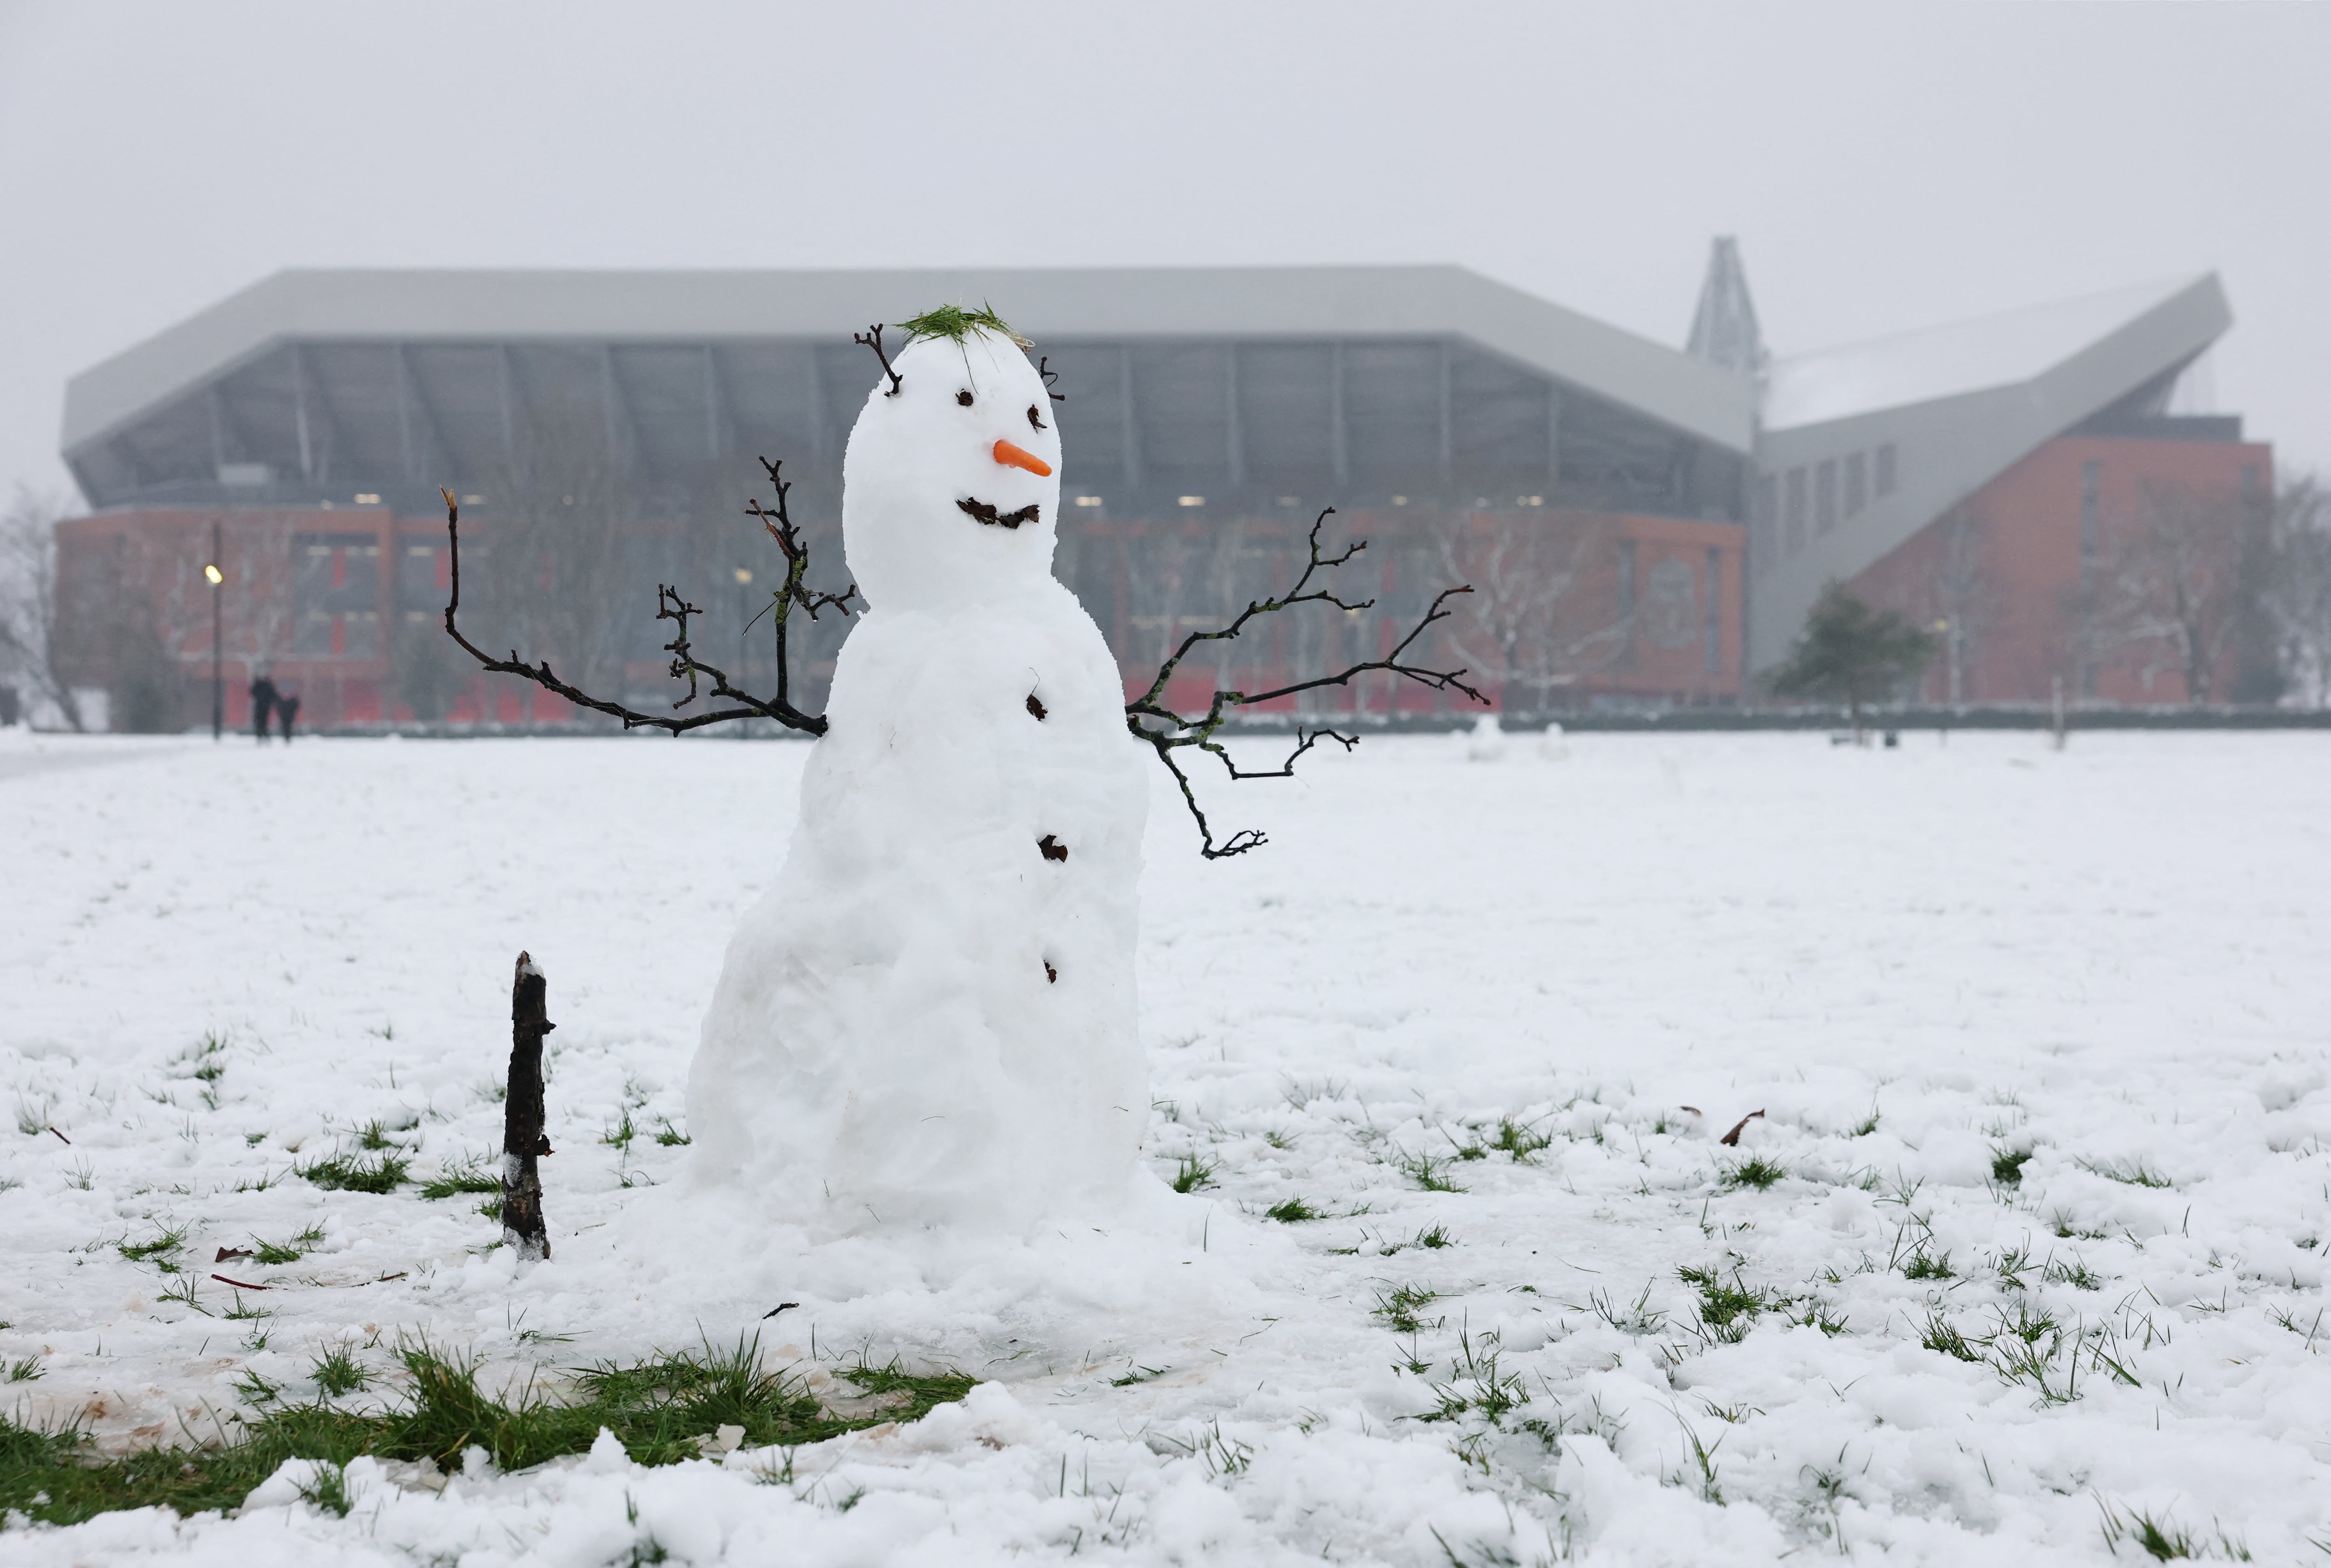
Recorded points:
(522, 1115)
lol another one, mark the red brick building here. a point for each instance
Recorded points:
(2065, 567)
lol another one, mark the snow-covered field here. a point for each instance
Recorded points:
(2114, 962)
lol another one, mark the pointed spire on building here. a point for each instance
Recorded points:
(1724, 328)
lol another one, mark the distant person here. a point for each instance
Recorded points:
(264, 698)
(287, 708)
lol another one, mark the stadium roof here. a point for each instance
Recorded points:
(1930, 417)
(1272, 302)
(1992, 351)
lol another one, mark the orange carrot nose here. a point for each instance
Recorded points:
(1012, 456)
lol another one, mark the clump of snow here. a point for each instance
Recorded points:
(929, 1018)
(1552, 746)
(1486, 742)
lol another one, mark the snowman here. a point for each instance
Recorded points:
(929, 1018)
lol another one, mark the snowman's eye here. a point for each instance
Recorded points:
(963, 398)
(1035, 418)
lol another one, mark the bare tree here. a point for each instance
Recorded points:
(31, 645)
(1536, 617)
(558, 548)
(2297, 598)
(1964, 594)
(2172, 591)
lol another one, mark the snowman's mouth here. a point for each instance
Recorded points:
(982, 512)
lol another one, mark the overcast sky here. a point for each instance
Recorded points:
(1885, 167)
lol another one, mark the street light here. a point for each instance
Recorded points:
(218, 623)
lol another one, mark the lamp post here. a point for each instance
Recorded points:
(218, 625)
(744, 635)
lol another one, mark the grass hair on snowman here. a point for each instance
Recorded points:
(954, 323)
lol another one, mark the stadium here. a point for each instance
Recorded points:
(1645, 526)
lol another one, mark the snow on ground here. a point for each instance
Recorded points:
(2109, 961)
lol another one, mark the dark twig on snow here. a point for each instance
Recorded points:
(1732, 1138)
(1167, 731)
(872, 338)
(1049, 376)
(523, 1142)
(685, 665)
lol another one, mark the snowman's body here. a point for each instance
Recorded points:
(930, 1019)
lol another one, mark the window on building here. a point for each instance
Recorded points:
(1793, 514)
(1857, 484)
(418, 588)
(335, 595)
(1825, 497)
(1886, 469)
(1711, 600)
(2091, 542)
(1763, 510)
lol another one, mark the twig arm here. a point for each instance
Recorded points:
(1166, 731)
(671, 605)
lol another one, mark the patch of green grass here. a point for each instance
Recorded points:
(1756, 1172)
(1519, 1141)
(1818, 1315)
(2077, 1274)
(462, 1176)
(2134, 1172)
(25, 1370)
(2007, 1166)
(341, 1174)
(1727, 1308)
(620, 1135)
(1193, 1174)
(1138, 1374)
(1433, 1237)
(1866, 1125)
(1399, 1307)
(658, 1409)
(1426, 1172)
(327, 1491)
(1941, 1337)
(336, 1372)
(669, 1136)
(491, 1208)
(373, 1135)
(2165, 1540)
(158, 1249)
(1925, 1265)
(292, 1251)
(1478, 1384)
(1292, 1211)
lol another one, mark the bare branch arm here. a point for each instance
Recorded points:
(1166, 731)
(670, 606)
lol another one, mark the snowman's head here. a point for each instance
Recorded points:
(951, 484)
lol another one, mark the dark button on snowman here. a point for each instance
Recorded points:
(929, 1018)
